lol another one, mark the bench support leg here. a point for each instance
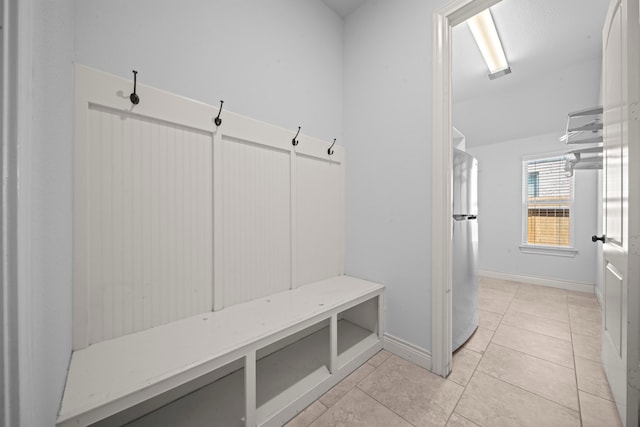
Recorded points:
(333, 347)
(380, 322)
(250, 389)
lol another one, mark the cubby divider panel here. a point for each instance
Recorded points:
(291, 367)
(357, 330)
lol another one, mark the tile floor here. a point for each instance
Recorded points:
(534, 361)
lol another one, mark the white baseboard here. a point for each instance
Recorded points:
(541, 281)
(599, 296)
(407, 351)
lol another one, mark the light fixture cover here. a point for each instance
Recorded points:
(484, 32)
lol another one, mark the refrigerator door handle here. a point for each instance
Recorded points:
(459, 217)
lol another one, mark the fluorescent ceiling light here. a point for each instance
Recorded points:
(484, 31)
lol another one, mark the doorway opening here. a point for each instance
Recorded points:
(444, 20)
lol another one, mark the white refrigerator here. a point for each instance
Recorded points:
(465, 247)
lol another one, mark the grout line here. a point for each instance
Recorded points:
(575, 365)
(595, 395)
(535, 357)
(375, 369)
(475, 369)
(313, 420)
(385, 406)
(539, 333)
(533, 392)
(571, 342)
(463, 417)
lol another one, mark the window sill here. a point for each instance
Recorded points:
(548, 250)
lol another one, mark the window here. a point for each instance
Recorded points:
(547, 203)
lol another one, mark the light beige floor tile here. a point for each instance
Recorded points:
(420, 397)
(549, 304)
(359, 410)
(587, 347)
(585, 320)
(309, 415)
(541, 325)
(464, 363)
(479, 340)
(493, 300)
(541, 291)
(545, 347)
(538, 376)
(585, 313)
(378, 358)
(332, 396)
(592, 379)
(597, 412)
(583, 299)
(504, 286)
(490, 402)
(488, 320)
(584, 326)
(460, 421)
(541, 308)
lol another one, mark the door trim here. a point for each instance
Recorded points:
(15, 245)
(454, 13)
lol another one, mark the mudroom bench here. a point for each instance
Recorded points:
(208, 268)
(256, 363)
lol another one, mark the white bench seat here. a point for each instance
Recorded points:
(112, 376)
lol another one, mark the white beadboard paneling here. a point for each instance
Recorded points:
(152, 183)
(256, 209)
(143, 208)
(319, 218)
(149, 228)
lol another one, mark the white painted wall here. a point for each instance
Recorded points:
(281, 61)
(45, 362)
(500, 207)
(387, 125)
(278, 61)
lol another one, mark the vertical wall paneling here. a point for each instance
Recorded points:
(149, 228)
(174, 216)
(143, 215)
(294, 215)
(218, 224)
(319, 219)
(256, 220)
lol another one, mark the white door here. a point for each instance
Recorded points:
(621, 222)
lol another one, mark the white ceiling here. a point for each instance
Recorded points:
(553, 47)
(343, 7)
(538, 36)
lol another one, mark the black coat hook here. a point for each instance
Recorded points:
(218, 120)
(135, 99)
(295, 142)
(330, 151)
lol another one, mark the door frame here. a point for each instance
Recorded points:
(15, 214)
(445, 18)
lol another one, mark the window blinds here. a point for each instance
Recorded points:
(548, 202)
